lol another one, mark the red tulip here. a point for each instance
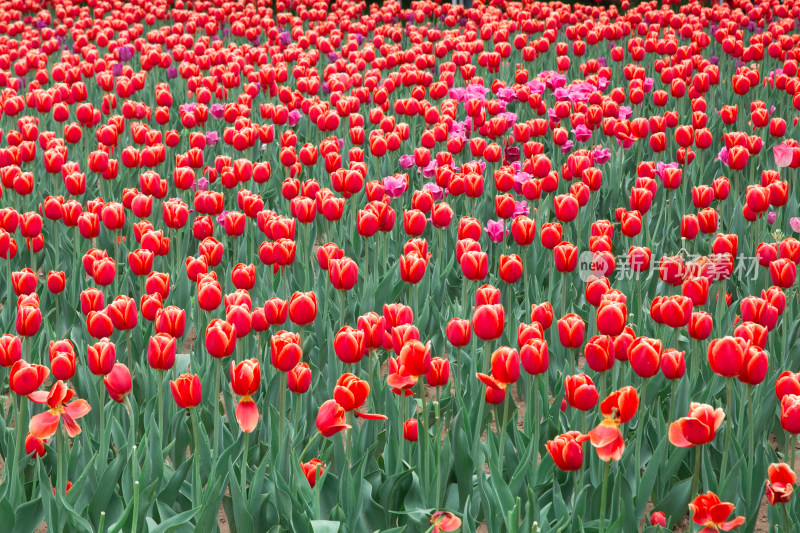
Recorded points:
(783, 273)
(580, 392)
(25, 378)
(543, 314)
(44, 425)
(285, 350)
(10, 350)
(700, 325)
(673, 364)
(611, 317)
(644, 355)
(780, 484)
(571, 330)
(709, 511)
(459, 332)
(726, 356)
(343, 273)
(411, 430)
(439, 373)
(186, 391)
(171, 320)
(567, 450)
(101, 357)
(331, 419)
(565, 256)
(534, 356)
(303, 308)
(698, 428)
(161, 351)
(118, 382)
(488, 321)
(599, 353)
(312, 470)
(298, 379)
(349, 345)
(373, 327)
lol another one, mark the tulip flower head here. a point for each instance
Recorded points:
(711, 513)
(698, 427)
(61, 409)
(567, 450)
(780, 483)
(444, 521)
(245, 380)
(331, 418)
(618, 408)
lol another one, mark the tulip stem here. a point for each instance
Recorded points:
(199, 332)
(215, 408)
(785, 513)
(696, 475)
(501, 435)
(341, 307)
(7, 306)
(438, 436)
(130, 356)
(281, 413)
(196, 484)
(457, 372)
(103, 451)
(61, 450)
(751, 422)
(244, 464)
(463, 296)
(422, 434)
(603, 495)
(135, 506)
(402, 417)
(308, 445)
(161, 403)
(640, 429)
(22, 417)
(728, 428)
(58, 315)
(349, 439)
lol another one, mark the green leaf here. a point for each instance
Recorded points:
(7, 517)
(109, 478)
(244, 522)
(675, 503)
(649, 478)
(29, 517)
(79, 523)
(173, 523)
(170, 492)
(212, 497)
(325, 526)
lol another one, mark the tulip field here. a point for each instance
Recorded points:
(336, 267)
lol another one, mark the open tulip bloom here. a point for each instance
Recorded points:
(419, 266)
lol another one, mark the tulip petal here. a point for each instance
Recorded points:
(247, 414)
(44, 425)
(72, 427)
(39, 396)
(736, 522)
(77, 409)
(696, 432)
(398, 381)
(677, 436)
(370, 416)
(603, 435)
